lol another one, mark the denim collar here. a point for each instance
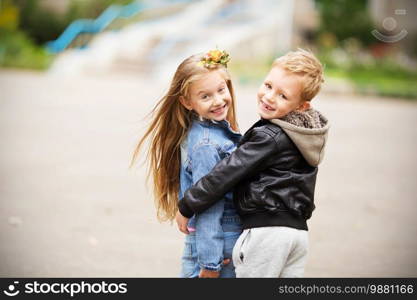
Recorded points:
(223, 123)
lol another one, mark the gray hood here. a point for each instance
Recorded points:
(308, 131)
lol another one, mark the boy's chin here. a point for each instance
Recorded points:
(264, 115)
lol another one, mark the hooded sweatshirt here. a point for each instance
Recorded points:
(308, 130)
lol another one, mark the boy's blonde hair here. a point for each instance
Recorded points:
(305, 64)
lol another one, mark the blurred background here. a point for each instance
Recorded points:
(79, 77)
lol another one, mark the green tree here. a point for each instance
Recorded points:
(43, 25)
(346, 19)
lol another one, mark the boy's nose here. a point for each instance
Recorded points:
(269, 97)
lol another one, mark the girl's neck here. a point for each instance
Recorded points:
(202, 119)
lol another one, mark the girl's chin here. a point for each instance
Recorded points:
(219, 117)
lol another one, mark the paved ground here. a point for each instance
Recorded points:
(70, 207)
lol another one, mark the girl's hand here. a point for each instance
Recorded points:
(182, 223)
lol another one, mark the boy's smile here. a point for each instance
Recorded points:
(266, 106)
(280, 94)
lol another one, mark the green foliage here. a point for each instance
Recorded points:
(25, 26)
(39, 24)
(382, 76)
(346, 19)
(79, 9)
(17, 50)
(9, 15)
(44, 25)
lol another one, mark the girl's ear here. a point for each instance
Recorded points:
(185, 103)
(304, 106)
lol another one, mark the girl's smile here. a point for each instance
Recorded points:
(220, 110)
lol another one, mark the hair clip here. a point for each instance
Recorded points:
(214, 57)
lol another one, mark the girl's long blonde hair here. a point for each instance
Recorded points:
(169, 126)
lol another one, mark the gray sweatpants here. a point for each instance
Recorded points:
(271, 252)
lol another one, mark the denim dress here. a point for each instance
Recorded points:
(214, 232)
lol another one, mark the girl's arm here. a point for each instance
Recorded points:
(245, 161)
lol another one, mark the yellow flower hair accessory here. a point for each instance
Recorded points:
(214, 57)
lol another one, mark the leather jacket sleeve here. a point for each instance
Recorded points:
(245, 161)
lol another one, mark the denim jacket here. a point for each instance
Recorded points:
(207, 143)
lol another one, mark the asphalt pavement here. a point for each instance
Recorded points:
(71, 207)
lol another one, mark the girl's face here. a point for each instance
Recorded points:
(209, 96)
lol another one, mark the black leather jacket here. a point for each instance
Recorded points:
(273, 183)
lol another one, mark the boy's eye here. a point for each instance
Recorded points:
(204, 97)
(268, 86)
(221, 90)
(283, 96)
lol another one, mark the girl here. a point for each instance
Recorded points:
(194, 126)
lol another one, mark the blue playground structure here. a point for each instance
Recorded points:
(90, 26)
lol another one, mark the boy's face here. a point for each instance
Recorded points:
(280, 94)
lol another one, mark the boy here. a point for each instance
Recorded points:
(273, 172)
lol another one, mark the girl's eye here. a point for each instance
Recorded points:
(221, 90)
(268, 86)
(283, 96)
(204, 97)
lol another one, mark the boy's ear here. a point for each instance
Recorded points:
(304, 106)
(185, 103)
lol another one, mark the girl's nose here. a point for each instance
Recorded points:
(218, 100)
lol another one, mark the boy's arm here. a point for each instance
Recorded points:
(208, 225)
(245, 161)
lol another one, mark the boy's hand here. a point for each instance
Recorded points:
(182, 222)
(212, 274)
